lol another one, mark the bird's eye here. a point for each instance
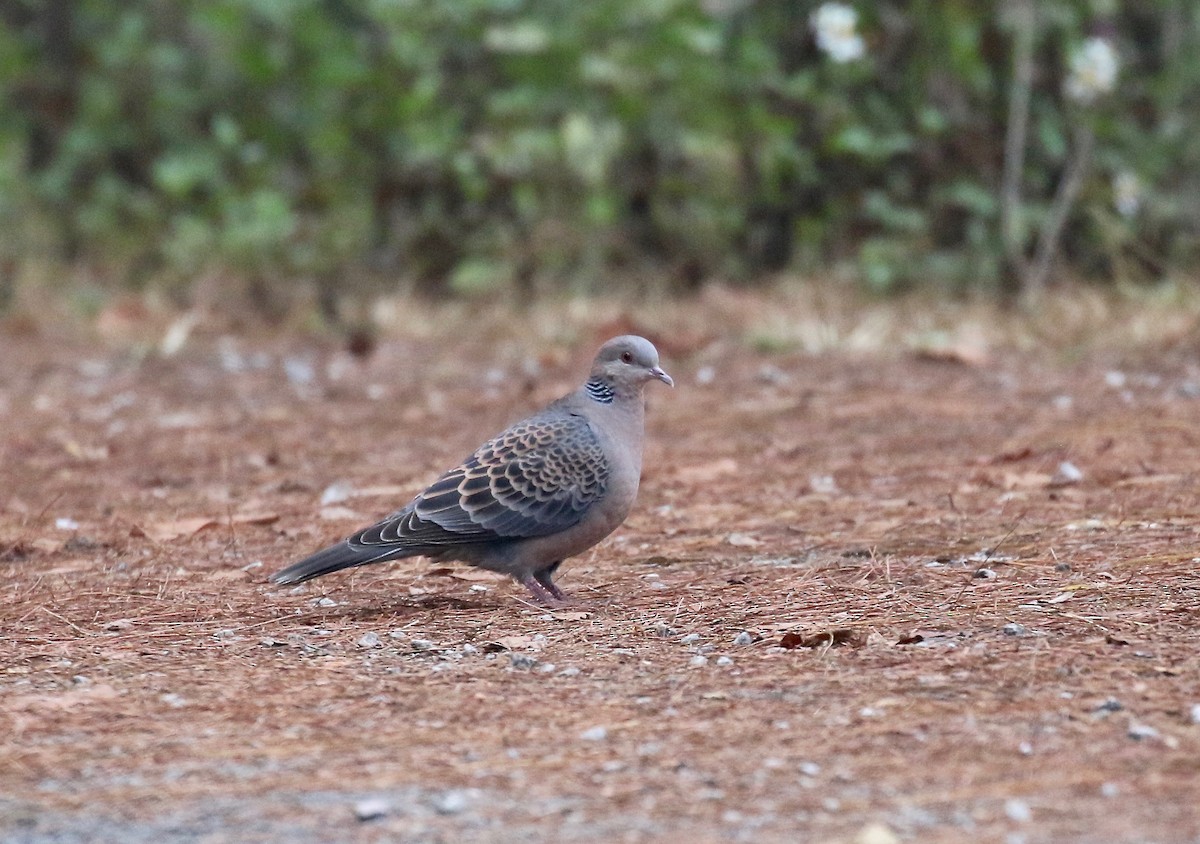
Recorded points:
(626, 357)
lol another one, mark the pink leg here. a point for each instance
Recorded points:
(546, 594)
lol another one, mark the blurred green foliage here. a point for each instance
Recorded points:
(470, 144)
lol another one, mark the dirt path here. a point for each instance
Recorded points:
(862, 598)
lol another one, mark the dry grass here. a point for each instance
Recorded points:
(850, 487)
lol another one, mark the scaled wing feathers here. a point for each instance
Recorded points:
(537, 478)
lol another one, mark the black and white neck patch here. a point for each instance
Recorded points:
(599, 391)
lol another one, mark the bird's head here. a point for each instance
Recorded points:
(629, 361)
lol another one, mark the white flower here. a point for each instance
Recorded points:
(1127, 193)
(590, 146)
(1094, 69)
(520, 38)
(834, 25)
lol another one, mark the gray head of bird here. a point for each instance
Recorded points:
(629, 361)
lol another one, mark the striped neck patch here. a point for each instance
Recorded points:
(599, 391)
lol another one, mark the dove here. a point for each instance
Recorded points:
(549, 487)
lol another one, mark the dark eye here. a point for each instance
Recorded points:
(626, 357)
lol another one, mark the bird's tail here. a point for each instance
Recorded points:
(334, 558)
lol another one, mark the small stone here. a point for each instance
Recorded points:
(370, 639)
(173, 700)
(705, 375)
(1014, 629)
(822, 485)
(1068, 473)
(768, 373)
(325, 602)
(66, 524)
(1109, 789)
(876, 833)
(690, 639)
(594, 734)
(1110, 704)
(547, 668)
(1141, 732)
(724, 660)
(744, 638)
(1025, 748)
(1115, 379)
(985, 574)
(299, 372)
(742, 540)
(1017, 810)
(119, 624)
(271, 642)
(663, 630)
(810, 769)
(522, 662)
(421, 645)
(450, 803)
(698, 661)
(336, 493)
(371, 809)
(1196, 713)
(1062, 566)
(469, 650)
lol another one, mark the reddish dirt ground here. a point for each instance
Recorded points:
(864, 597)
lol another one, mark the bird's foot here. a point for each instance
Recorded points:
(547, 594)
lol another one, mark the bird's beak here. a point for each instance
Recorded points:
(661, 374)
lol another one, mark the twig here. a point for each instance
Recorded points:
(1025, 26)
(1064, 201)
(65, 621)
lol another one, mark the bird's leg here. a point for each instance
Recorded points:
(543, 577)
(539, 591)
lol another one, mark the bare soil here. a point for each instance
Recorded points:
(865, 596)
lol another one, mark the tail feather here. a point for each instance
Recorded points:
(344, 555)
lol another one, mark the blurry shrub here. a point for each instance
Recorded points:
(473, 144)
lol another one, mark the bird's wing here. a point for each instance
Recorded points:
(537, 478)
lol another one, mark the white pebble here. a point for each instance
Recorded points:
(66, 524)
(698, 661)
(1068, 473)
(724, 660)
(744, 638)
(1138, 732)
(371, 809)
(594, 734)
(1017, 810)
(370, 639)
(450, 803)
